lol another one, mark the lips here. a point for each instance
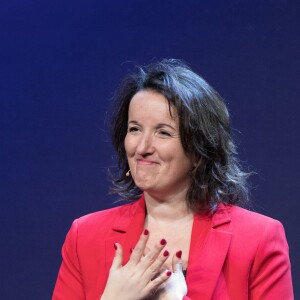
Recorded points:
(146, 162)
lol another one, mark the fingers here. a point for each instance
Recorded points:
(150, 264)
(154, 261)
(159, 280)
(118, 259)
(138, 250)
(177, 262)
(152, 255)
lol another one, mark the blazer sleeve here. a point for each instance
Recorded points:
(270, 277)
(69, 284)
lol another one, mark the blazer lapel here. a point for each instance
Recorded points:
(206, 258)
(126, 231)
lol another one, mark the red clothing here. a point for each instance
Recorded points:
(242, 254)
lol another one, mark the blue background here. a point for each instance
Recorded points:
(60, 63)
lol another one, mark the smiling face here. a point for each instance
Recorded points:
(157, 161)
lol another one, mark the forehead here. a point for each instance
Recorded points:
(148, 102)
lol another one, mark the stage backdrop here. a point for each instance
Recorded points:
(60, 63)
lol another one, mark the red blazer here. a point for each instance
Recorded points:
(242, 254)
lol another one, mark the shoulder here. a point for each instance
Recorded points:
(106, 217)
(253, 227)
(105, 223)
(239, 215)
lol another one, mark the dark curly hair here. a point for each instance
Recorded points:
(205, 132)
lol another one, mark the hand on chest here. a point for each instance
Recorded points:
(176, 240)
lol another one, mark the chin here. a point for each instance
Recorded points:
(145, 187)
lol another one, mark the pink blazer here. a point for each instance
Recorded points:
(243, 255)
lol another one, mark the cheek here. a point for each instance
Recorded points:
(128, 146)
(185, 162)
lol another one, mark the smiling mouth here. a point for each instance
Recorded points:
(145, 162)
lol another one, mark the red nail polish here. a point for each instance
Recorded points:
(115, 246)
(166, 253)
(146, 232)
(179, 253)
(169, 273)
(163, 241)
(131, 250)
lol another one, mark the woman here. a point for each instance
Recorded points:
(183, 236)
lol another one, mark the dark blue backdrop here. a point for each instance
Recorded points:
(60, 64)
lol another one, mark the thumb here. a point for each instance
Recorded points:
(178, 267)
(177, 262)
(118, 259)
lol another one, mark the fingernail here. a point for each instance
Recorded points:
(163, 241)
(166, 253)
(169, 273)
(179, 253)
(131, 250)
(115, 246)
(146, 232)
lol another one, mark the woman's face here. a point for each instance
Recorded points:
(156, 158)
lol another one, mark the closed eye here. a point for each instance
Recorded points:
(164, 133)
(132, 129)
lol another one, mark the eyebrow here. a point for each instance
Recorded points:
(165, 125)
(159, 125)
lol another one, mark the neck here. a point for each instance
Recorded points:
(172, 208)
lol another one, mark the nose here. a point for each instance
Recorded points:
(145, 144)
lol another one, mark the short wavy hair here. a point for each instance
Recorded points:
(205, 133)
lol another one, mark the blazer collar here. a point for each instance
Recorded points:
(221, 217)
(133, 214)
